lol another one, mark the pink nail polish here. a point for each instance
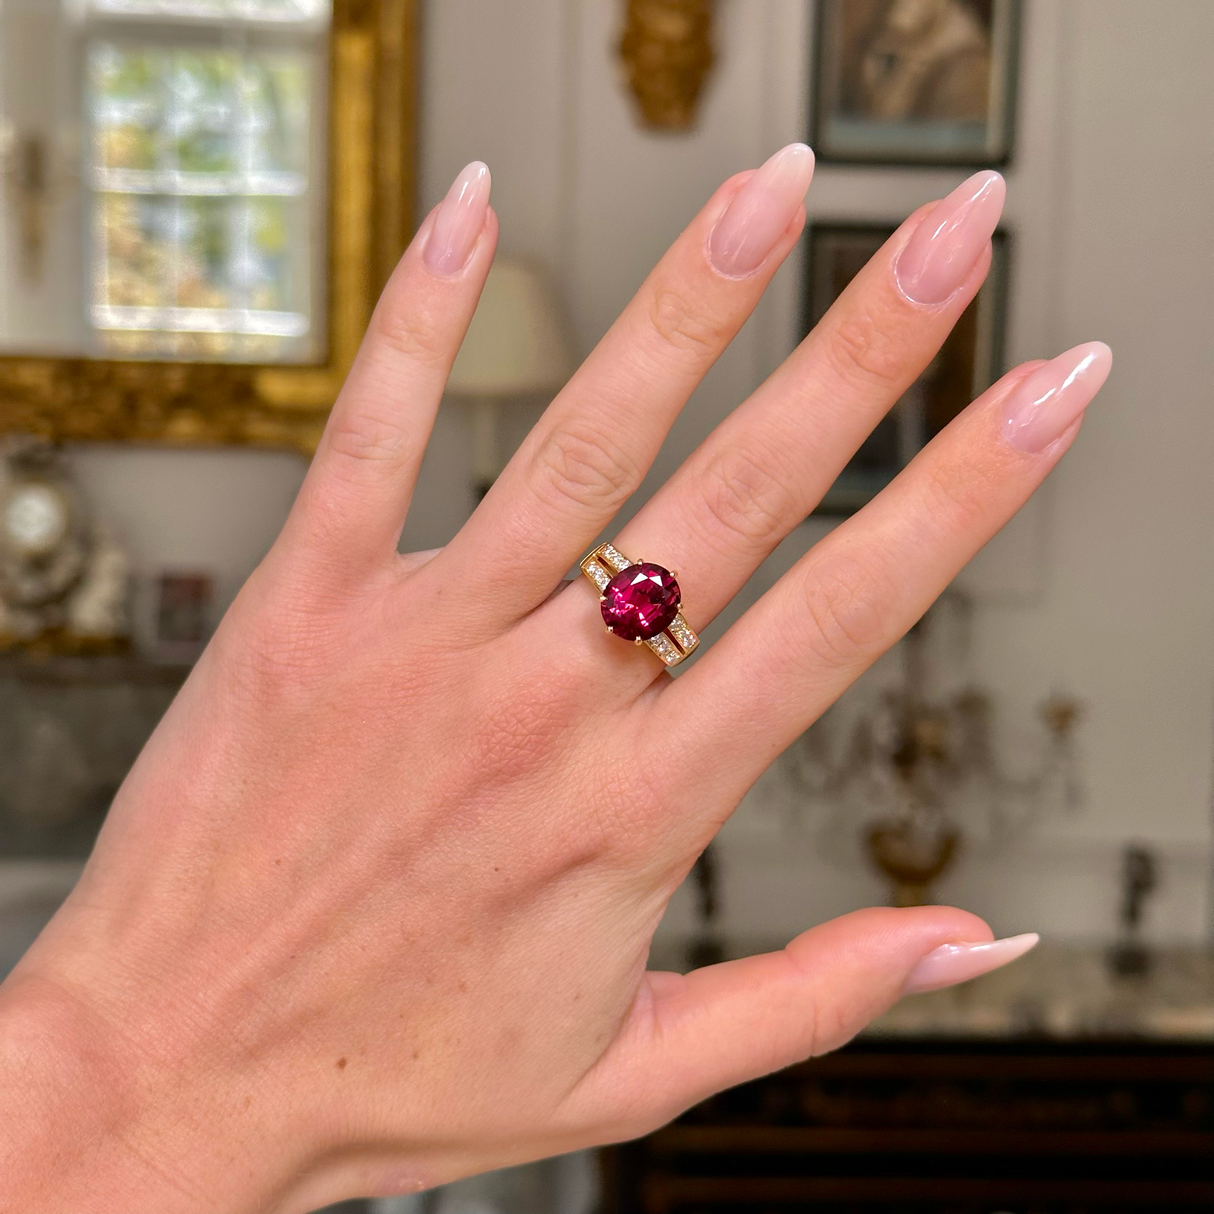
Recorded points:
(458, 221)
(1045, 405)
(949, 239)
(953, 963)
(760, 211)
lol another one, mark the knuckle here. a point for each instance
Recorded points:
(361, 435)
(577, 463)
(288, 629)
(959, 492)
(519, 734)
(849, 603)
(859, 346)
(684, 327)
(412, 333)
(633, 809)
(275, 660)
(516, 728)
(745, 500)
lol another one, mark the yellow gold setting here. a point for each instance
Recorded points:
(671, 646)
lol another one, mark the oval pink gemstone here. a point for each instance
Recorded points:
(640, 601)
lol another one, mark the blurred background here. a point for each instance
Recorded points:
(198, 201)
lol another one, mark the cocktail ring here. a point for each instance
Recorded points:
(640, 603)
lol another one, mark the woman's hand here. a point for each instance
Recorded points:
(373, 908)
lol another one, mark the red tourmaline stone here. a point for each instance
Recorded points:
(640, 601)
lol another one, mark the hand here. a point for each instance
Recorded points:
(373, 908)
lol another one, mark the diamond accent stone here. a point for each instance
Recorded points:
(597, 574)
(683, 635)
(661, 645)
(613, 558)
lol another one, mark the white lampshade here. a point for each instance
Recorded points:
(516, 343)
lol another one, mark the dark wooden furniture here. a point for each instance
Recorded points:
(938, 1127)
(70, 728)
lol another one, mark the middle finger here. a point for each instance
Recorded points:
(766, 466)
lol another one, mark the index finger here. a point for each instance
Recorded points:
(353, 502)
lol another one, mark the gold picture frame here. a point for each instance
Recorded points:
(372, 157)
(939, 90)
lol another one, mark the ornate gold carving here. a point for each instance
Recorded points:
(667, 49)
(372, 122)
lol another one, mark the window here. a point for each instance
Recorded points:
(205, 172)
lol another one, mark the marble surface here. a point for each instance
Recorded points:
(1068, 991)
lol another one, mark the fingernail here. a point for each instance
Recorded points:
(459, 221)
(1043, 407)
(949, 239)
(953, 963)
(760, 212)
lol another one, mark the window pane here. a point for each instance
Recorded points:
(282, 11)
(201, 184)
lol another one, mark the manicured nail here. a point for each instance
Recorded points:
(953, 963)
(1044, 406)
(760, 212)
(950, 238)
(458, 221)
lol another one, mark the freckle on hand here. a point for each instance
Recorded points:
(341, 1064)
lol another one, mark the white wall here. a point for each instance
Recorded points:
(1125, 610)
(1104, 587)
(180, 510)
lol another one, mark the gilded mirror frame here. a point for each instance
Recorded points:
(372, 157)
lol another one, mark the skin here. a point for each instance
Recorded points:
(373, 908)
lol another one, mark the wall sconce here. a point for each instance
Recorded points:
(667, 51)
(516, 347)
(34, 173)
(920, 770)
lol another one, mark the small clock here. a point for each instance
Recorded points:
(34, 518)
(44, 538)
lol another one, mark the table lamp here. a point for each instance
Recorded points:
(516, 346)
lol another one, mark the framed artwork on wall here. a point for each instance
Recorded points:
(926, 82)
(970, 360)
(184, 615)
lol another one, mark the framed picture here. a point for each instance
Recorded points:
(929, 82)
(970, 360)
(183, 614)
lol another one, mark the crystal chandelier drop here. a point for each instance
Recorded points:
(919, 769)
